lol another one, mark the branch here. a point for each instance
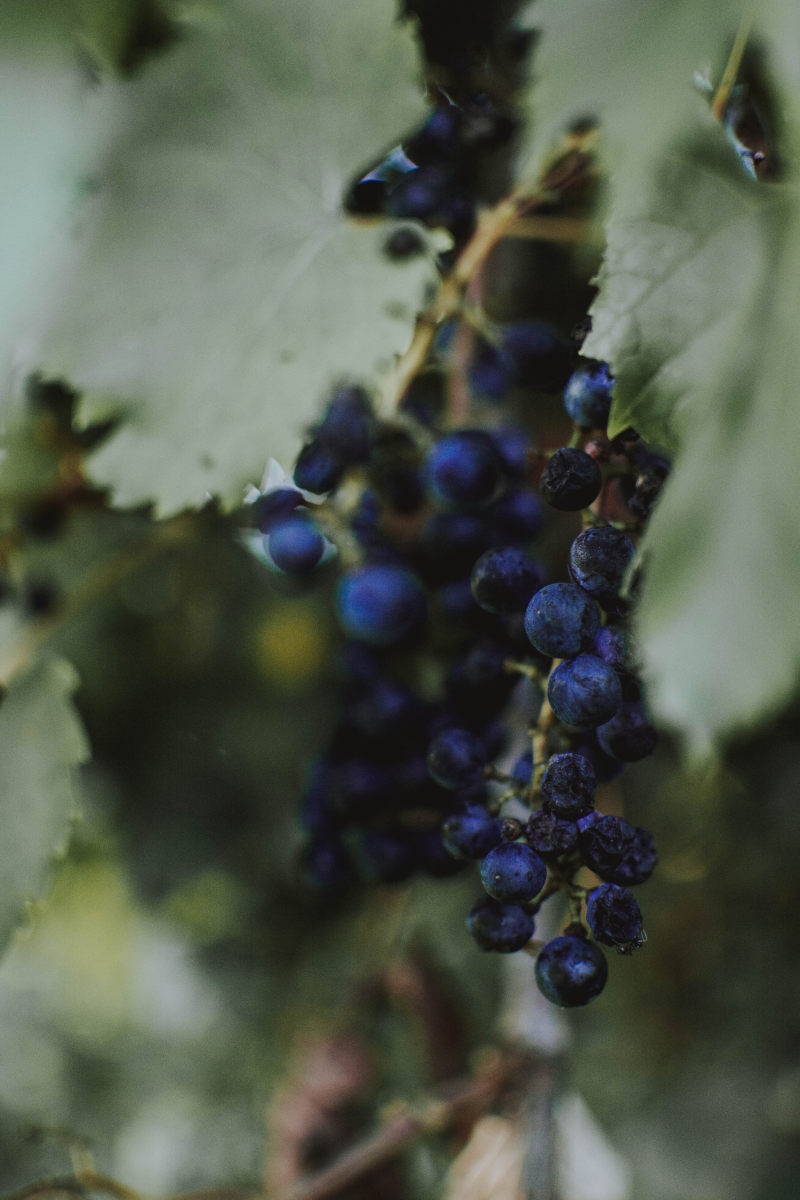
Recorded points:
(406, 1126)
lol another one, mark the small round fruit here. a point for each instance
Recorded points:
(513, 873)
(571, 971)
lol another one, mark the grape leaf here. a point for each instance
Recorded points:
(52, 130)
(629, 66)
(41, 743)
(216, 290)
(718, 617)
(671, 275)
(694, 313)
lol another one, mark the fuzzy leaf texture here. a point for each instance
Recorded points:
(41, 743)
(215, 290)
(695, 314)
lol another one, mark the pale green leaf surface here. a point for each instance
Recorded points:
(696, 311)
(670, 282)
(41, 743)
(719, 612)
(216, 291)
(52, 130)
(628, 65)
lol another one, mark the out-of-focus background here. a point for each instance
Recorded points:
(181, 1006)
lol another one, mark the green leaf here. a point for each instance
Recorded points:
(694, 313)
(41, 743)
(670, 282)
(216, 290)
(52, 131)
(629, 66)
(718, 617)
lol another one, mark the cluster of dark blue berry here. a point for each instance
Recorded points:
(451, 631)
(431, 178)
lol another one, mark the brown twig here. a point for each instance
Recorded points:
(79, 1184)
(405, 1126)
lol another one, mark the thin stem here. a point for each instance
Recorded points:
(406, 1126)
(723, 92)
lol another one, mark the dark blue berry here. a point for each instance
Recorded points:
(450, 542)
(538, 357)
(523, 768)
(386, 708)
(629, 735)
(503, 580)
(500, 927)
(571, 971)
(568, 785)
(598, 561)
(584, 691)
(513, 873)
(420, 193)
(456, 602)
(638, 860)
(561, 620)
(276, 505)
(319, 467)
(488, 372)
(386, 857)
(587, 396)
(357, 788)
(605, 767)
(616, 646)
(431, 855)
(295, 545)
(571, 480)
(517, 516)
(379, 603)
(471, 833)
(603, 844)
(551, 836)
(456, 758)
(347, 423)
(463, 468)
(326, 864)
(512, 444)
(614, 916)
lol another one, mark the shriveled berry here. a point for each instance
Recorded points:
(614, 916)
(568, 785)
(571, 480)
(598, 561)
(551, 836)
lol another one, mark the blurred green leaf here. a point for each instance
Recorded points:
(41, 743)
(671, 283)
(718, 615)
(694, 313)
(629, 67)
(216, 290)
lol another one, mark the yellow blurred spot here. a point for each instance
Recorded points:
(290, 646)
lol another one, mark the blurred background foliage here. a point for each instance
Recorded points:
(181, 1000)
